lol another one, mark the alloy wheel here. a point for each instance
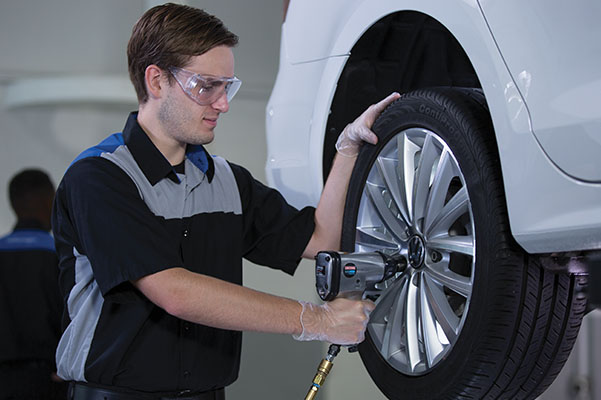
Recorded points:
(415, 203)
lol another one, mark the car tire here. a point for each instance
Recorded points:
(473, 316)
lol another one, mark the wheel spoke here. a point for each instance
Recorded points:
(394, 328)
(423, 174)
(406, 151)
(382, 207)
(374, 239)
(387, 300)
(443, 313)
(412, 318)
(445, 172)
(453, 244)
(432, 342)
(389, 309)
(455, 208)
(452, 280)
(388, 169)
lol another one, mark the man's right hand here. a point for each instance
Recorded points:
(341, 321)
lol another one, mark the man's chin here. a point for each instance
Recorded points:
(202, 139)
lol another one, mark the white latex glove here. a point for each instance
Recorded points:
(352, 137)
(341, 321)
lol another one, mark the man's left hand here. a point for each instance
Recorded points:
(359, 131)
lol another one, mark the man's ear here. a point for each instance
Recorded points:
(154, 82)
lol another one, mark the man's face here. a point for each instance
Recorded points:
(181, 117)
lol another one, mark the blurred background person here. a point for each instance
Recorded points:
(30, 303)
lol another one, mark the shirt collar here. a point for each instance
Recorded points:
(152, 162)
(199, 156)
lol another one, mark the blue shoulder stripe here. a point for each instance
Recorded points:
(108, 145)
(27, 239)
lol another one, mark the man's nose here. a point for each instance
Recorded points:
(221, 104)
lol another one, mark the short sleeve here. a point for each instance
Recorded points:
(275, 233)
(99, 212)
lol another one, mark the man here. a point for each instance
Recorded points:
(30, 302)
(151, 232)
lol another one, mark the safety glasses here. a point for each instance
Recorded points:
(205, 89)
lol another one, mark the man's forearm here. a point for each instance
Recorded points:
(330, 210)
(209, 301)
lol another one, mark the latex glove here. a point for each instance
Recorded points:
(352, 137)
(341, 321)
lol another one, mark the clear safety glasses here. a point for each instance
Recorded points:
(205, 89)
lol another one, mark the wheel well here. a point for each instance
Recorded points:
(401, 52)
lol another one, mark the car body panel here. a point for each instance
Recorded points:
(562, 83)
(549, 210)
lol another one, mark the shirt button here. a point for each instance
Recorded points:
(186, 327)
(186, 374)
(185, 233)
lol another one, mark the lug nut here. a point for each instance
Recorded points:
(436, 256)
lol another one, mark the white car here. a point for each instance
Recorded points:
(486, 177)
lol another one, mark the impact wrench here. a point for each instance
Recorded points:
(349, 275)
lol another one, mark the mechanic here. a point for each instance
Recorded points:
(151, 231)
(30, 302)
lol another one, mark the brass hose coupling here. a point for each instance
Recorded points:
(322, 372)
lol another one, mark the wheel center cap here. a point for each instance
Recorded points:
(417, 251)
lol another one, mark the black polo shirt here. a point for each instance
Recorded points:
(123, 212)
(30, 301)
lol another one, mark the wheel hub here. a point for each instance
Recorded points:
(416, 251)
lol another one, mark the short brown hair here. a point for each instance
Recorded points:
(169, 35)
